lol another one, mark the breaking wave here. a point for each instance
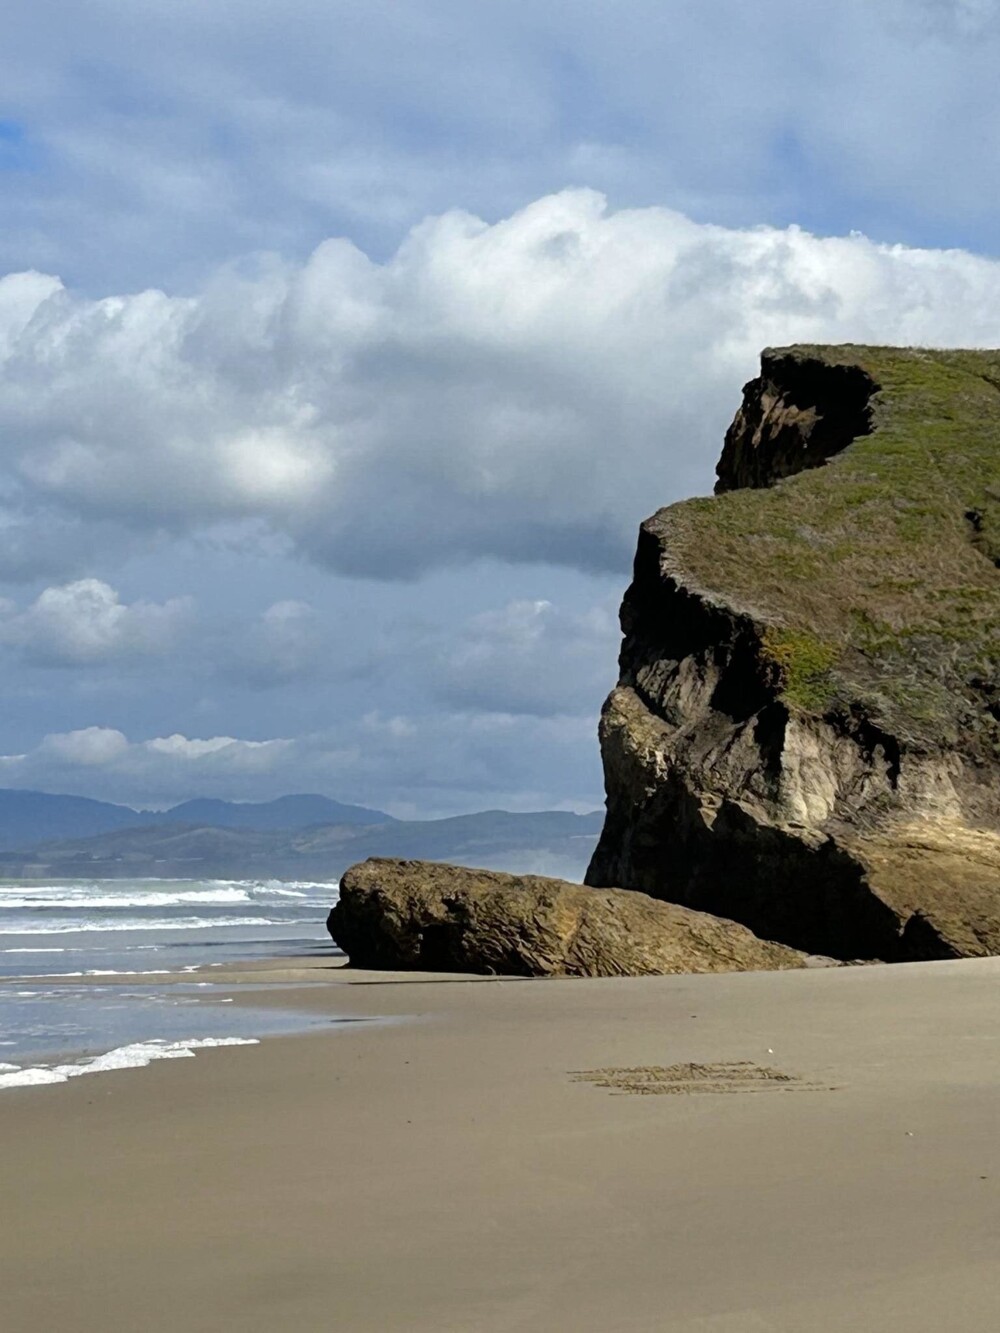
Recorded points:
(211, 893)
(139, 923)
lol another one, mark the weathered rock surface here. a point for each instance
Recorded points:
(440, 918)
(804, 736)
(795, 416)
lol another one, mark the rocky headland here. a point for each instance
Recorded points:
(805, 737)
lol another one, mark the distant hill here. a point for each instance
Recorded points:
(31, 817)
(552, 842)
(28, 817)
(284, 813)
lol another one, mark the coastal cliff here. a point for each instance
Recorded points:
(804, 737)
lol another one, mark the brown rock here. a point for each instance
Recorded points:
(441, 918)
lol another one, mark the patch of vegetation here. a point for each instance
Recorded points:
(875, 575)
(803, 662)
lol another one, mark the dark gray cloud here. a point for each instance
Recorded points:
(421, 701)
(530, 657)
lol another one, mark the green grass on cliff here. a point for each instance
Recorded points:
(805, 663)
(878, 591)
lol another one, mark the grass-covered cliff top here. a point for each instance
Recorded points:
(874, 573)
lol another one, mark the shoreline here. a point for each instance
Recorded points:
(463, 1171)
(63, 1025)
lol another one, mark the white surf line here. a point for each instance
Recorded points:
(104, 972)
(135, 1056)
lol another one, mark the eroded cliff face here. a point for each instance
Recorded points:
(782, 778)
(798, 413)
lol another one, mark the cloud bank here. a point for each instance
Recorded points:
(522, 391)
(361, 525)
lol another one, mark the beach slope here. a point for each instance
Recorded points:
(798, 1150)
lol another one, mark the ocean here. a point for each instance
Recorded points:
(75, 955)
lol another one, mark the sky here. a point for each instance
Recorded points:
(344, 346)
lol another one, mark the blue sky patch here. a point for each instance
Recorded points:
(17, 153)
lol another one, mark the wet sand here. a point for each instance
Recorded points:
(448, 1173)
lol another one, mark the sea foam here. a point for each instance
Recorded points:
(135, 1056)
(83, 895)
(139, 924)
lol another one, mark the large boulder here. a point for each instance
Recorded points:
(441, 918)
(805, 734)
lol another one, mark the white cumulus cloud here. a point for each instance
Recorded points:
(526, 390)
(86, 622)
(102, 761)
(87, 747)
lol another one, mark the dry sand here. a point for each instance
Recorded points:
(447, 1173)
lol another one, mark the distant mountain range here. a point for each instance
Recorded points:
(294, 837)
(30, 817)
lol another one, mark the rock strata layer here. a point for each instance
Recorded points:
(805, 736)
(440, 918)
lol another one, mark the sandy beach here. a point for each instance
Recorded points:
(450, 1171)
